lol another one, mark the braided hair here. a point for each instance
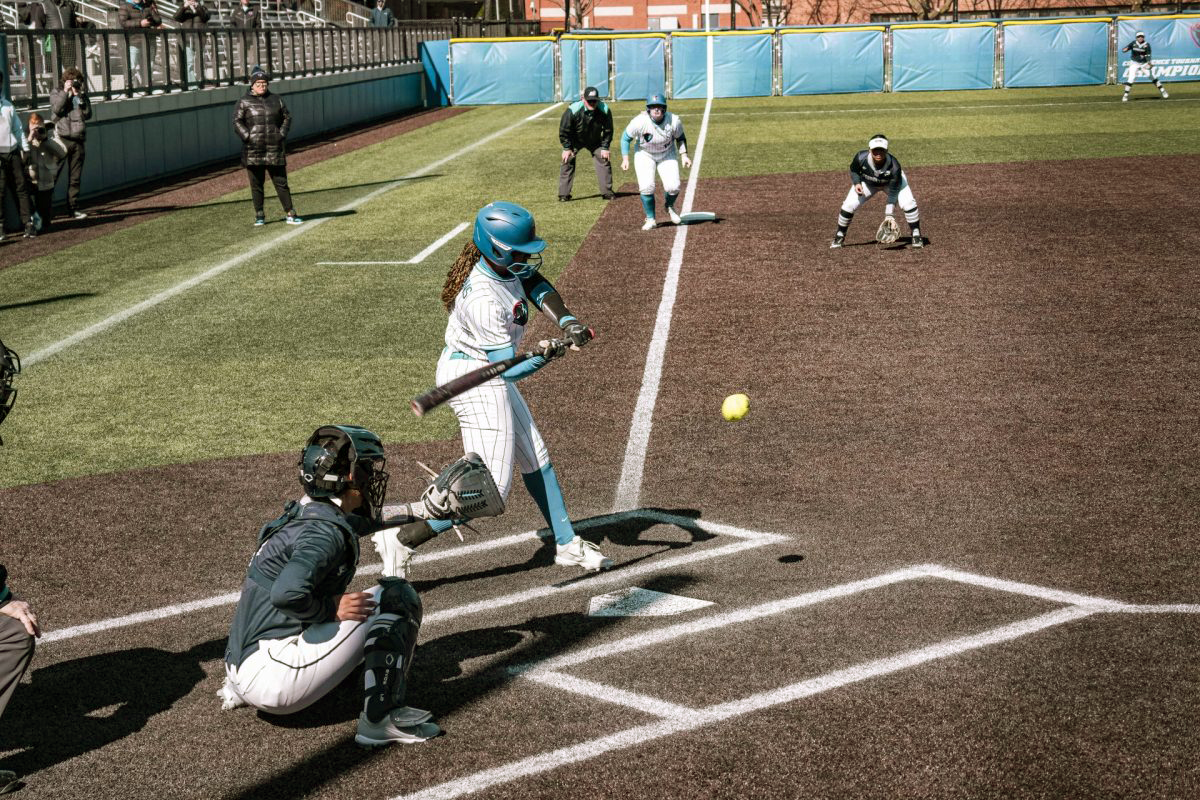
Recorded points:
(458, 273)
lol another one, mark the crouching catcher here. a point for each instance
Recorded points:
(298, 631)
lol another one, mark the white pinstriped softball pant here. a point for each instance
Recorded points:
(495, 423)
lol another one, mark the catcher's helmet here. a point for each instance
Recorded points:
(506, 235)
(10, 365)
(341, 457)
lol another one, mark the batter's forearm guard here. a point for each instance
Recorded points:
(544, 296)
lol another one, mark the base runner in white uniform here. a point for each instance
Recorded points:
(661, 145)
(488, 293)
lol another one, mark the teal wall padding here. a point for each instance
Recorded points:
(1174, 43)
(943, 58)
(640, 67)
(502, 72)
(435, 60)
(742, 65)
(832, 61)
(1060, 54)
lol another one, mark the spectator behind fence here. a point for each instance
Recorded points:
(18, 629)
(13, 146)
(191, 14)
(248, 19)
(32, 15)
(72, 109)
(46, 154)
(262, 121)
(140, 15)
(382, 16)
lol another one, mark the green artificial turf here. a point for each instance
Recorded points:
(253, 359)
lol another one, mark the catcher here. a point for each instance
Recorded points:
(297, 632)
(10, 366)
(871, 171)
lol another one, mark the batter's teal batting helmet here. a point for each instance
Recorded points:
(506, 235)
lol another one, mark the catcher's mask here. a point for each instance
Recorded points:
(10, 365)
(341, 457)
(506, 235)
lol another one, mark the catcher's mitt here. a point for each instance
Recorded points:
(463, 490)
(888, 231)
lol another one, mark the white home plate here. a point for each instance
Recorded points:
(635, 602)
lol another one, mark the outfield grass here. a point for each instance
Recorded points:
(253, 359)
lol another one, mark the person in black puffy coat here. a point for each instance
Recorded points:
(262, 121)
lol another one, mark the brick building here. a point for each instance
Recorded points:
(666, 15)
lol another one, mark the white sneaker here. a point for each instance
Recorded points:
(649, 224)
(582, 553)
(1165, 95)
(78, 215)
(230, 699)
(1124, 98)
(405, 725)
(394, 554)
(674, 217)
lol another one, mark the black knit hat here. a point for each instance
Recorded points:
(259, 74)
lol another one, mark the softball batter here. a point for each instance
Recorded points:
(661, 145)
(873, 170)
(488, 292)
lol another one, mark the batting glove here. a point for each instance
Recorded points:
(578, 334)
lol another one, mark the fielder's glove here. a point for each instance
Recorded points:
(578, 334)
(888, 231)
(463, 490)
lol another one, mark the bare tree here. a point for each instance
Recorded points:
(575, 10)
(778, 12)
(832, 12)
(921, 9)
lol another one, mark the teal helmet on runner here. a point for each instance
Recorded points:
(656, 100)
(506, 235)
(341, 457)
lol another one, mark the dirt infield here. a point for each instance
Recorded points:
(121, 210)
(1016, 402)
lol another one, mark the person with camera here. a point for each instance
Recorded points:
(141, 15)
(262, 122)
(46, 154)
(71, 110)
(14, 147)
(191, 14)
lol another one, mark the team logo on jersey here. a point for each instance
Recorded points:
(520, 312)
(647, 136)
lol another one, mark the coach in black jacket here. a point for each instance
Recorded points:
(262, 122)
(586, 125)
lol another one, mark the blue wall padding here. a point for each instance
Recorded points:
(1175, 47)
(1062, 54)
(595, 65)
(502, 72)
(942, 58)
(640, 67)
(741, 65)
(570, 53)
(833, 61)
(435, 58)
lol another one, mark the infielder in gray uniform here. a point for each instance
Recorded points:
(297, 632)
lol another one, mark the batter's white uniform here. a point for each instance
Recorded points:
(489, 314)
(656, 150)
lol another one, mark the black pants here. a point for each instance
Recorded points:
(278, 175)
(12, 171)
(74, 165)
(44, 203)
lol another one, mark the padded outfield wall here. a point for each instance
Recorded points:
(818, 59)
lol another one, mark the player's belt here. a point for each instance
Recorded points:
(458, 355)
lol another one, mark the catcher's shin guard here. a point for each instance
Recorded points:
(388, 652)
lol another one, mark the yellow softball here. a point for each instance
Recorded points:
(735, 406)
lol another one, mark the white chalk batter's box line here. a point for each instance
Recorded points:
(744, 540)
(675, 718)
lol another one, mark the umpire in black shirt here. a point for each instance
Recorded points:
(586, 125)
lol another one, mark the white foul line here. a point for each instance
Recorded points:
(751, 539)
(678, 719)
(629, 487)
(417, 259)
(179, 288)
